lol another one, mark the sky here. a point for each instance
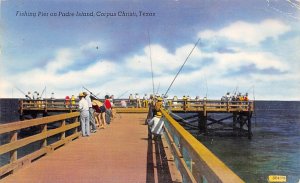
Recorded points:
(244, 46)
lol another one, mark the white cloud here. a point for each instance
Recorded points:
(63, 59)
(163, 61)
(249, 33)
(133, 74)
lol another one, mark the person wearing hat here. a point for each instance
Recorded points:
(91, 112)
(156, 125)
(83, 108)
(73, 101)
(138, 100)
(131, 99)
(158, 105)
(67, 101)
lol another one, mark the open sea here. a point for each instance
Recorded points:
(273, 150)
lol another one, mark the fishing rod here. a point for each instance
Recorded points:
(158, 88)
(182, 65)
(90, 93)
(98, 94)
(183, 121)
(43, 92)
(151, 61)
(23, 92)
(20, 90)
(122, 94)
(251, 87)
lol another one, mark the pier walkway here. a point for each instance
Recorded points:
(119, 153)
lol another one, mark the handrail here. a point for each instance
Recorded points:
(175, 105)
(201, 162)
(11, 131)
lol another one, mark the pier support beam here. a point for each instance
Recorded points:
(242, 123)
(202, 122)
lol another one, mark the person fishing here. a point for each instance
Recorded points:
(83, 108)
(158, 104)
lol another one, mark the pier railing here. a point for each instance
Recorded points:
(47, 105)
(210, 105)
(175, 105)
(194, 161)
(43, 134)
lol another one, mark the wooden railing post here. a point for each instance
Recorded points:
(46, 105)
(14, 153)
(204, 107)
(76, 120)
(63, 134)
(227, 105)
(44, 130)
(21, 107)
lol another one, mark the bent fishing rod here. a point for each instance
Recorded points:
(182, 66)
(23, 92)
(151, 62)
(91, 93)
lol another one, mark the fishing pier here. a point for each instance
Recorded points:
(207, 116)
(124, 151)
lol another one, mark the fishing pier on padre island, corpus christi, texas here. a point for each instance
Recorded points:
(123, 152)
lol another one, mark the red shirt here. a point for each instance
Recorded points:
(107, 104)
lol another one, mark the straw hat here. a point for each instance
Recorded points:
(159, 99)
(81, 94)
(97, 102)
(158, 114)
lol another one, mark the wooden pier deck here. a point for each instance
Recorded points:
(120, 153)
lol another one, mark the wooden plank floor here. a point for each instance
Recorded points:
(119, 153)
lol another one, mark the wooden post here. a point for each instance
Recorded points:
(204, 107)
(46, 105)
(76, 120)
(227, 106)
(249, 126)
(184, 104)
(14, 153)
(21, 107)
(234, 120)
(202, 122)
(63, 134)
(44, 130)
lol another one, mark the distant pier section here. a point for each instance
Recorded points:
(206, 116)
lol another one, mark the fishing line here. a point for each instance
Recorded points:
(91, 93)
(151, 62)
(157, 88)
(182, 66)
(122, 94)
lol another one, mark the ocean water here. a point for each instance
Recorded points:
(273, 150)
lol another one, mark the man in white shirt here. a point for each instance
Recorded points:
(91, 111)
(84, 115)
(138, 100)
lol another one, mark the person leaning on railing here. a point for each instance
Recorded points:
(99, 113)
(156, 125)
